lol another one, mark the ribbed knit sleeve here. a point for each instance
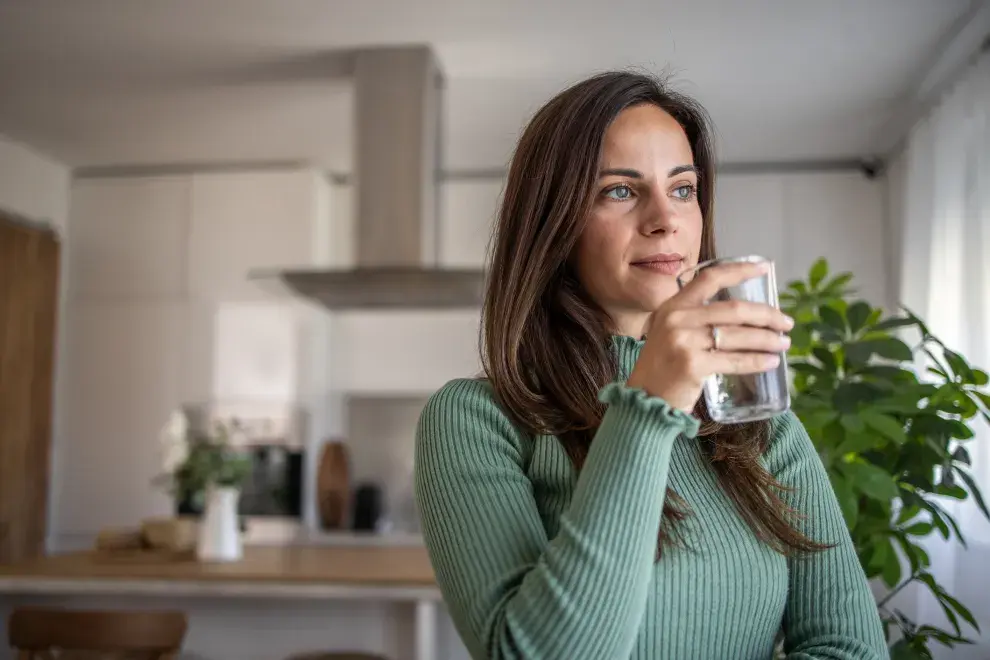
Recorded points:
(511, 591)
(830, 611)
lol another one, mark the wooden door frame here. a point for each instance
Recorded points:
(30, 263)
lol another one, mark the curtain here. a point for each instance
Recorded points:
(944, 276)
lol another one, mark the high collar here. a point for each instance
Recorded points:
(627, 352)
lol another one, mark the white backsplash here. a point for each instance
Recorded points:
(381, 440)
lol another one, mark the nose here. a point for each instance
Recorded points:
(660, 216)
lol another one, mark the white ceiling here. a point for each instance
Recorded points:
(109, 82)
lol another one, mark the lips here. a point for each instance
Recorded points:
(666, 263)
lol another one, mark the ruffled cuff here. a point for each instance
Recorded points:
(639, 401)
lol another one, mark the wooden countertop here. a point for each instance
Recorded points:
(296, 571)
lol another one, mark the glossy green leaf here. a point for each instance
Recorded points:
(920, 529)
(857, 443)
(885, 425)
(961, 455)
(892, 567)
(916, 320)
(893, 349)
(886, 372)
(871, 480)
(807, 369)
(903, 650)
(848, 397)
(935, 426)
(955, 492)
(852, 423)
(833, 319)
(858, 314)
(960, 609)
(838, 285)
(959, 366)
(800, 338)
(826, 331)
(974, 490)
(817, 419)
(825, 357)
(894, 323)
(907, 512)
(889, 348)
(818, 272)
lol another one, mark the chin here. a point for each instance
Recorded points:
(655, 296)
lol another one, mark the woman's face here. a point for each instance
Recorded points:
(645, 225)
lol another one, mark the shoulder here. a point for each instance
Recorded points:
(787, 428)
(464, 402)
(464, 416)
(789, 443)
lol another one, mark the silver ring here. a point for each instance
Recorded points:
(716, 338)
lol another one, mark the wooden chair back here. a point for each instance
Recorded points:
(59, 634)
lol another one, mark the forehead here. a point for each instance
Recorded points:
(645, 134)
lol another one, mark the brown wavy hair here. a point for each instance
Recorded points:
(545, 344)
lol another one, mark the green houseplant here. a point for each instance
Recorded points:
(193, 461)
(891, 435)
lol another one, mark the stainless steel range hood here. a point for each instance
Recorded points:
(398, 104)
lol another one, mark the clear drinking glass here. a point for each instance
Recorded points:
(732, 398)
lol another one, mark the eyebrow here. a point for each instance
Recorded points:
(636, 174)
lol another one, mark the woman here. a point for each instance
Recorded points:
(577, 502)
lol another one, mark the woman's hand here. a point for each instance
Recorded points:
(679, 351)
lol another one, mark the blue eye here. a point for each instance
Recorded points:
(619, 193)
(684, 192)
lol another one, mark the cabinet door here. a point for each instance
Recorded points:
(128, 239)
(29, 263)
(124, 364)
(251, 220)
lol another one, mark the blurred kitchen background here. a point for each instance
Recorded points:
(250, 224)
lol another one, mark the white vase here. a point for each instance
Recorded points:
(219, 529)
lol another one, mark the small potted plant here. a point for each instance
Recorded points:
(204, 471)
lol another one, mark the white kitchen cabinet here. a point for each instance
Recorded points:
(157, 288)
(123, 371)
(254, 220)
(128, 239)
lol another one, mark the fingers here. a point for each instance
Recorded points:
(723, 362)
(735, 312)
(709, 281)
(739, 338)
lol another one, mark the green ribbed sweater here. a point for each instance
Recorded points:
(537, 562)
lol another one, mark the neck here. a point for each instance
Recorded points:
(633, 325)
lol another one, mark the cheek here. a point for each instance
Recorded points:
(695, 225)
(595, 248)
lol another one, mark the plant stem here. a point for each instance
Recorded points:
(886, 599)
